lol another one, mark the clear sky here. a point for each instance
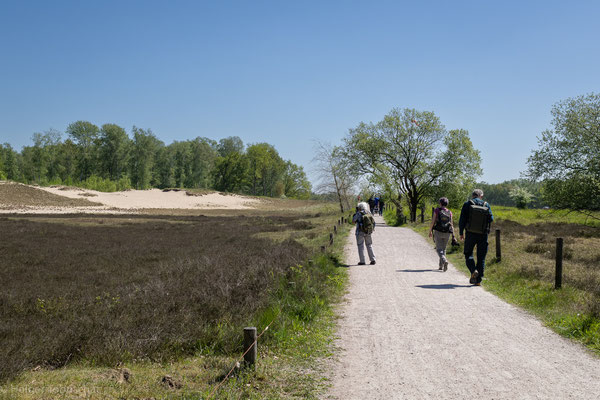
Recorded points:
(289, 72)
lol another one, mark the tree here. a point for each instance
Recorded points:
(231, 144)
(568, 157)
(144, 149)
(294, 181)
(230, 172)
(85, 135)
(520, 196)
(460, 168)
(114, 146)
(265, 168)
(334, 173)
(407, 153)
(9, 159)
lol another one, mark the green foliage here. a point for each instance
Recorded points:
(520, 196)
(499, 193)
(568, 158)
(409, 153)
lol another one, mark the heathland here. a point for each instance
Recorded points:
(153, 303)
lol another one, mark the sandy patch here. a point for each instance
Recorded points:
(133, 200)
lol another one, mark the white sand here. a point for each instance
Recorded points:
(133, 200)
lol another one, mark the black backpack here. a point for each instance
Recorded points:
(444, 219)
(479, 218)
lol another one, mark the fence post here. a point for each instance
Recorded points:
(249, 339)
(335, 229)
(322, 249)
(498, 248)
(559, 260)
(330, 238)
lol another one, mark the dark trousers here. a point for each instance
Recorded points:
(481, 241)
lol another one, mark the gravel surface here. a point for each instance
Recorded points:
(409, 331)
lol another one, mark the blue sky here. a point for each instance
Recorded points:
(290, 72)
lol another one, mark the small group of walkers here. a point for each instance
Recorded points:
(474, 226)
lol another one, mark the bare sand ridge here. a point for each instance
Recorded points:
(91, 201)
(409, 331)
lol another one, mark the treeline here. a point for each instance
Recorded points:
(520, 193)
(107, 158)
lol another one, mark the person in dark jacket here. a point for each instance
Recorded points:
(474, 238)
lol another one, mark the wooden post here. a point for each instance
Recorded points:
(335, 229)
(249, 343)
(498, 248)
(559, 260)
(330, 238)
(322, 249)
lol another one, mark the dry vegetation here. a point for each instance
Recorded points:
(532, 249)
(108, 289)
(16, 195)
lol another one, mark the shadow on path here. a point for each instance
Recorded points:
(442, 286)
(417, 270)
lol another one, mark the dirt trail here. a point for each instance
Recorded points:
(409, 331)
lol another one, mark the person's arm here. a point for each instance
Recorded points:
(491, 215)
(433, 220)
(462, 221)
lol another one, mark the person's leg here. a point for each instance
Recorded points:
(468, 251)
(360, 242)
(369, 243)
(441, 242)
(482, 249)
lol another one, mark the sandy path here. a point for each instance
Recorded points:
(409, 331)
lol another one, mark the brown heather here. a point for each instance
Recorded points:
(111, 289)
(532, 249)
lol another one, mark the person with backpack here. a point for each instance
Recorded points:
(475, 218)
(443, 225)
(365, 225)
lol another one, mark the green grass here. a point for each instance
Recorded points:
(525, 275)
(298, 303)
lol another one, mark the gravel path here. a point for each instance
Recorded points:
(409, 331)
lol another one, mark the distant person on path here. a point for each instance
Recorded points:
(442, 227)
(371, 203)
(376, 204)
(381, 205)
(365, 225)
(475, 217)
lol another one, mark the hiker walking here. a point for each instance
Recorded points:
(365, 225)
(442, 227)
(381, 205)
(475, 218)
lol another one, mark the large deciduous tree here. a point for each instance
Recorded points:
(114, 147)
(409, 152)
(568, 157)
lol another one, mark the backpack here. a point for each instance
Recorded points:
(444, 217)
(367, 223)
(479, 218)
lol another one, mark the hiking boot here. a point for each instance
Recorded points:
(445, 266)
(372, 262)
(477, 284)
(361, 263)
(474, 277)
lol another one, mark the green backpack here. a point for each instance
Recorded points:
(367, 223)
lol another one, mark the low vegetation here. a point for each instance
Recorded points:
(162, 293)
(16, 195)
(525, 274)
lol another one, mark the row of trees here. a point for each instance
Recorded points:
(412, 159)
(109, 154)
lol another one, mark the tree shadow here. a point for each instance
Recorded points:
(442, 286)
